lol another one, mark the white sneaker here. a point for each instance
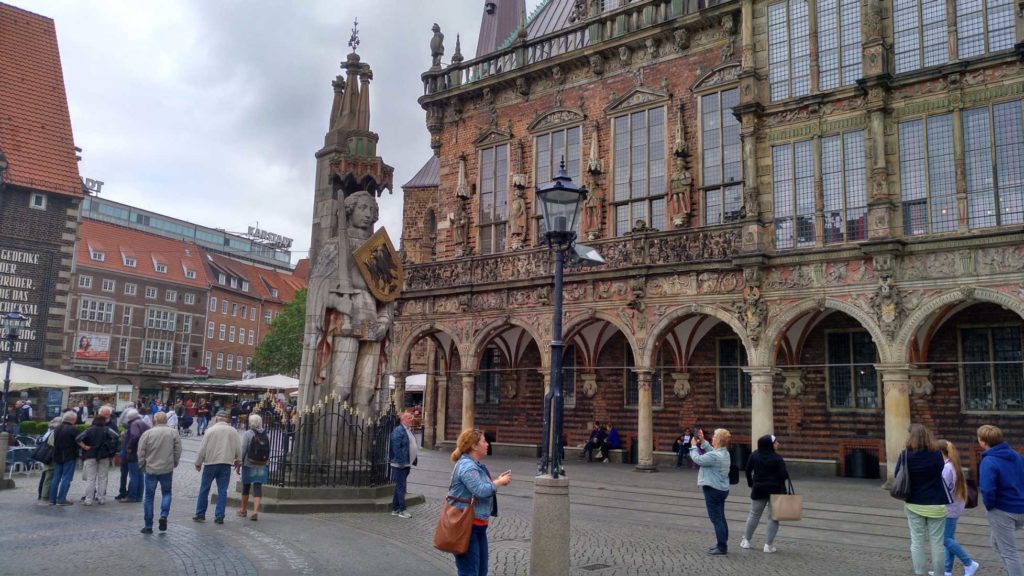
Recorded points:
(932, 572)
(970, 570)
(403, 514)
(769, 549)
(744, 543)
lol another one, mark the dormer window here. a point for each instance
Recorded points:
(129, 261)
(97, 255)
(161, 268)
(222, 279)
(234, 282)
(273, 292)
(190, 274)
(245, 286)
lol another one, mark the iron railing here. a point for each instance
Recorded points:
(329, 445)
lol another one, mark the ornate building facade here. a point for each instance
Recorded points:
(811, 213)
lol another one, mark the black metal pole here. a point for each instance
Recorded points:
(7, 377)
(555, 442)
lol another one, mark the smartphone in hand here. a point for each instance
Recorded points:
(507, 472)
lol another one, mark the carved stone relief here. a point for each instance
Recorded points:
(753, 311)
(681, 384)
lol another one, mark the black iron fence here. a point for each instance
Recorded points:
(329, 445)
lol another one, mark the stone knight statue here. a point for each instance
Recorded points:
(437, 46)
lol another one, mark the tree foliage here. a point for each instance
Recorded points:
(280, 352)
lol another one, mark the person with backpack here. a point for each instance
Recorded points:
(14, 419)
(44, 454)
(136, 428)
(159, 454)
(766, 475)
(256, 448)
(99, 444)
(714, 480)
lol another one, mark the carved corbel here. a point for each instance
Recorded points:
(681, 384)
(596, 62)
(793, 384)
(625, 56)
(523, 87)
(588, 384)
(920, 383)
(681, 39)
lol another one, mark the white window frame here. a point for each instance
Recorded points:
(131, 289)
(85, 282)
(97, 255)
(129, 261)
(186, 323)
(161, 319)
(96, 310)
(122, 350)
(126, 316)
(158, 352)
(190, 298)
(37, 201)
(222, 332)
(492, 224)
(208, 360)
(220, 360)
(213, 303)
(251, 337)
(108, 285)
(171, 296)
(238, 363)
(211, 329)
(231, 334)
(151, 292)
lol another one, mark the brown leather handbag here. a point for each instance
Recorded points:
(454, 526)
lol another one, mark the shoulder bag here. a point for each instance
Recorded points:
(972, 494)
(900, 488)
(454, 525)
(788, 506)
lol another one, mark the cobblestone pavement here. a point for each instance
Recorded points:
(623, 523)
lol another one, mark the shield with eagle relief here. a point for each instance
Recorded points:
(380, 266)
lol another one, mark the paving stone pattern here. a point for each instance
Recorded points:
(623, 523)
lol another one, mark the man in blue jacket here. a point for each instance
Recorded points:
(403, 452)
(1001, 483)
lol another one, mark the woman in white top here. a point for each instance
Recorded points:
(956, 487)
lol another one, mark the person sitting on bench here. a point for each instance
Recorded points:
(595, 441)
(611, 441)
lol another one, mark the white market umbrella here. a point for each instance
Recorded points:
(275, 382)
(25, 377)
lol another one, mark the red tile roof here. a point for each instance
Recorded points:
(117, 241)
(35, 126)
(261, 280)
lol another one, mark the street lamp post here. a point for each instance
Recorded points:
(11, 323)
(560, 203)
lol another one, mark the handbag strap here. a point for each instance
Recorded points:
(451, 484)
(789, 486)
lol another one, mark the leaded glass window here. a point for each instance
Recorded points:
(550, 150)
(793, 191)
(633, 382)
(994, 166)
(639, 170)
(928, 175)
(844, 184)
(839, 47)
(789, 54)
(983, 26)
(488, 379)
(733, 382)
(992, 369)
(721, 160)
(493, 198)
(920, 34)
(852, 380)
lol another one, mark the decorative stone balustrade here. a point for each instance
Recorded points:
(710, 244)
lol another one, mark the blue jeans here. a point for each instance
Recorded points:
(401, 475)
(134, 482)
(222, 474)
(201, 423)
(63, 474)
(15, 429)
(474, 561)
(715, 502)
(165, 497)
(953, 548)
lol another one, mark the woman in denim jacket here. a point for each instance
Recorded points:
(471, 479)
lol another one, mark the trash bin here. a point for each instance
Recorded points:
(739, 453)
(634, 452)
(862, 464)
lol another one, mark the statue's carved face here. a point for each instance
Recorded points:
(364, 213)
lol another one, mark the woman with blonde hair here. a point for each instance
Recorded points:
(471, 479)
(956, 489)
(926, 505)
(713, 478)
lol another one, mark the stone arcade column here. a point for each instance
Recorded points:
(442, 408)
(762, 407)
(896, 386)
(645, 428)
(468, 399)
(429, 407)
(398, 396)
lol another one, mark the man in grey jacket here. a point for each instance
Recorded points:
(159, 453)
(221, 449)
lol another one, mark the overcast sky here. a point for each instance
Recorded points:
(211, 110)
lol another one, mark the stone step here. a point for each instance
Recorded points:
(300, 506)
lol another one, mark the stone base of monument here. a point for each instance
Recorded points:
(278, 500)
(8, 483)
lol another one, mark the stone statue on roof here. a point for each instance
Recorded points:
(437, 46)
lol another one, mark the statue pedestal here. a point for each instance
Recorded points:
(278, 500)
